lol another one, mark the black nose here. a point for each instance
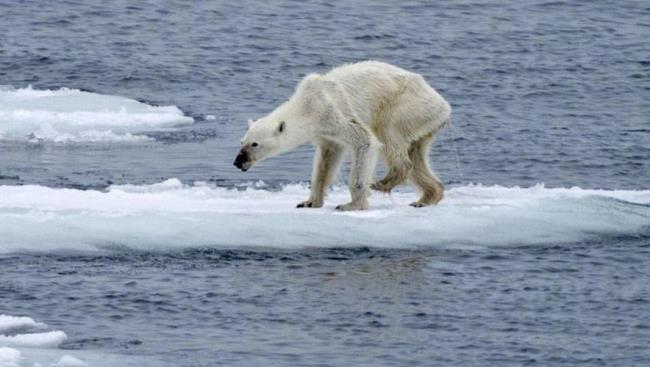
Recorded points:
(241, 158)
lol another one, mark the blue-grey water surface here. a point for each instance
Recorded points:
(556, 92)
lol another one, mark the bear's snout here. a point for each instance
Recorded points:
(242, 161)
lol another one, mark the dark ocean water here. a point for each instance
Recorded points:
(548, 306)
(554, 92)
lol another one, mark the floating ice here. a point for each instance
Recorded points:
(51, 339)
(10, 357)
(172, 215)
(70, 361)
(65, 115)
(23, 343)
(15, 324)
(22, 331)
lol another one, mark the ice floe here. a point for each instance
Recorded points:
(172, 215)
(71, 115)
(24, 342)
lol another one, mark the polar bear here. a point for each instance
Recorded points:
(365, 108)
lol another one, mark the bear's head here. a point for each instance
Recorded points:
(271, 135)
(288, 126)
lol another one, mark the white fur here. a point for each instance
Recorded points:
(365, 108)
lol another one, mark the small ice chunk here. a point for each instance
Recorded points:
(69, 361)
(14, 324)
(50, 339)
(210, 117)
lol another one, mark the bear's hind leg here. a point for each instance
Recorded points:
(326, 162)
(422, 175)
(399, 165)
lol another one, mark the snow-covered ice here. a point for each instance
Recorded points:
(71, 115)
(15, 324)
(70, 361)
(23, 342)
(50, 339)
(10, 357)
(171, 215)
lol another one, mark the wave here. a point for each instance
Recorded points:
(172, 215)
(71, 115)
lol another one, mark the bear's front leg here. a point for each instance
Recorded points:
(326, 162)
(363, 167)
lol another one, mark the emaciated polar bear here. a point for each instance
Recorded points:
(364, 107)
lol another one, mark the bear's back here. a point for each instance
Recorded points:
(369, 85)
(365, 70)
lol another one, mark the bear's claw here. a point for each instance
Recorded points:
(309, 204)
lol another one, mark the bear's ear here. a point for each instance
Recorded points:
(250, 123)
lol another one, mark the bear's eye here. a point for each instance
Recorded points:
(281, 127)
(254, 144)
